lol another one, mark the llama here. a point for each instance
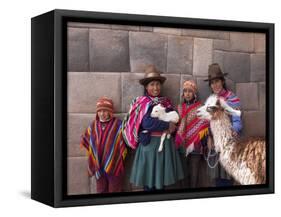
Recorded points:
(159, 112)
(245, 160)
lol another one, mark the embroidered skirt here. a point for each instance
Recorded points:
(156, 169)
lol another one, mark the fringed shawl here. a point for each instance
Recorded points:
(106, 149)
(191, 128)
(132, 122)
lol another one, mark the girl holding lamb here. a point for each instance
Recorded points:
(151, 169)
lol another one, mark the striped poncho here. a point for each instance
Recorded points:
(106, 149)
(138, 108)
(191, 128)
(233, 101)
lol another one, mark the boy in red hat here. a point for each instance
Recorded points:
(105, 147)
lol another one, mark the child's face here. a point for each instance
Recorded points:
(188, 94)
(104, 115)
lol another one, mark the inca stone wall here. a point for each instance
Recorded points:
(108, 60)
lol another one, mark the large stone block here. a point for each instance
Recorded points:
(125, 27)
(148, 48)
(221, 44)
(179, 58)
(206, 33)
(169, 31)
(109, 50)
(262, 96)
(202, 56)
(76, 126)
(254, 123)
(258, 67)
(203, 89)
(77, 49)
(230, 85)
(259, 42)
(171, 88)
(237, 65)
(219, 58)
(248, 94)
(89, 25)
(84, 89)
(240, 41)
(131, 88)
(77, 176)
(146, 28)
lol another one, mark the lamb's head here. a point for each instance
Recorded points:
(214, 108)
(157, 111)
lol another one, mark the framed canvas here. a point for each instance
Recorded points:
(96, 81)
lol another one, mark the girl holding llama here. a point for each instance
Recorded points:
(192, 135)
(217, 84)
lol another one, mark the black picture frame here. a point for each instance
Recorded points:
(49, 106)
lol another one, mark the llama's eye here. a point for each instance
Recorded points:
(211, 108)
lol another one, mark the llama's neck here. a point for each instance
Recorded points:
(222, 134)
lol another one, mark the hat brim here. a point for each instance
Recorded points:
(145, 81)
(209, 79)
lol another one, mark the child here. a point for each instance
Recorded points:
(192, 134)
(105, 148)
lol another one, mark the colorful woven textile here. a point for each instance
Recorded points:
(132, 121)
(230, 98)
(105, 148)
(191, 128)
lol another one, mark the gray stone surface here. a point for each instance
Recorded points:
(76, 126)
(219, 58)
(89, 25)
(171, 88)
(179, 59)
(146, 28)
(230, 84)
(109, 50)
(243, 42)
(206, 33)
(131, 88)
(169, 31)
(148, 48)
(260, 42)
(254, 123)
(203, 88)
(248, 94)
(77, 176)
(258, 67)
(237, 65)
(84, 89)
(125, 27)
(202, 56)
(221, 44)
(262, 96)
(78, 49)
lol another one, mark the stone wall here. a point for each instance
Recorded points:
(108, 60)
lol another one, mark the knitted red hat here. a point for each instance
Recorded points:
(104, 103)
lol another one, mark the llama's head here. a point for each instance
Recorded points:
(157, 111)
(214, 108)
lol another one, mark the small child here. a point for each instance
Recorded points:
(192, 134)
(105, 147)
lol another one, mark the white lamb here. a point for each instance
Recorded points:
(159, 112)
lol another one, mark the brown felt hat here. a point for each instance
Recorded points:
(215, 72)
(151, 74)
